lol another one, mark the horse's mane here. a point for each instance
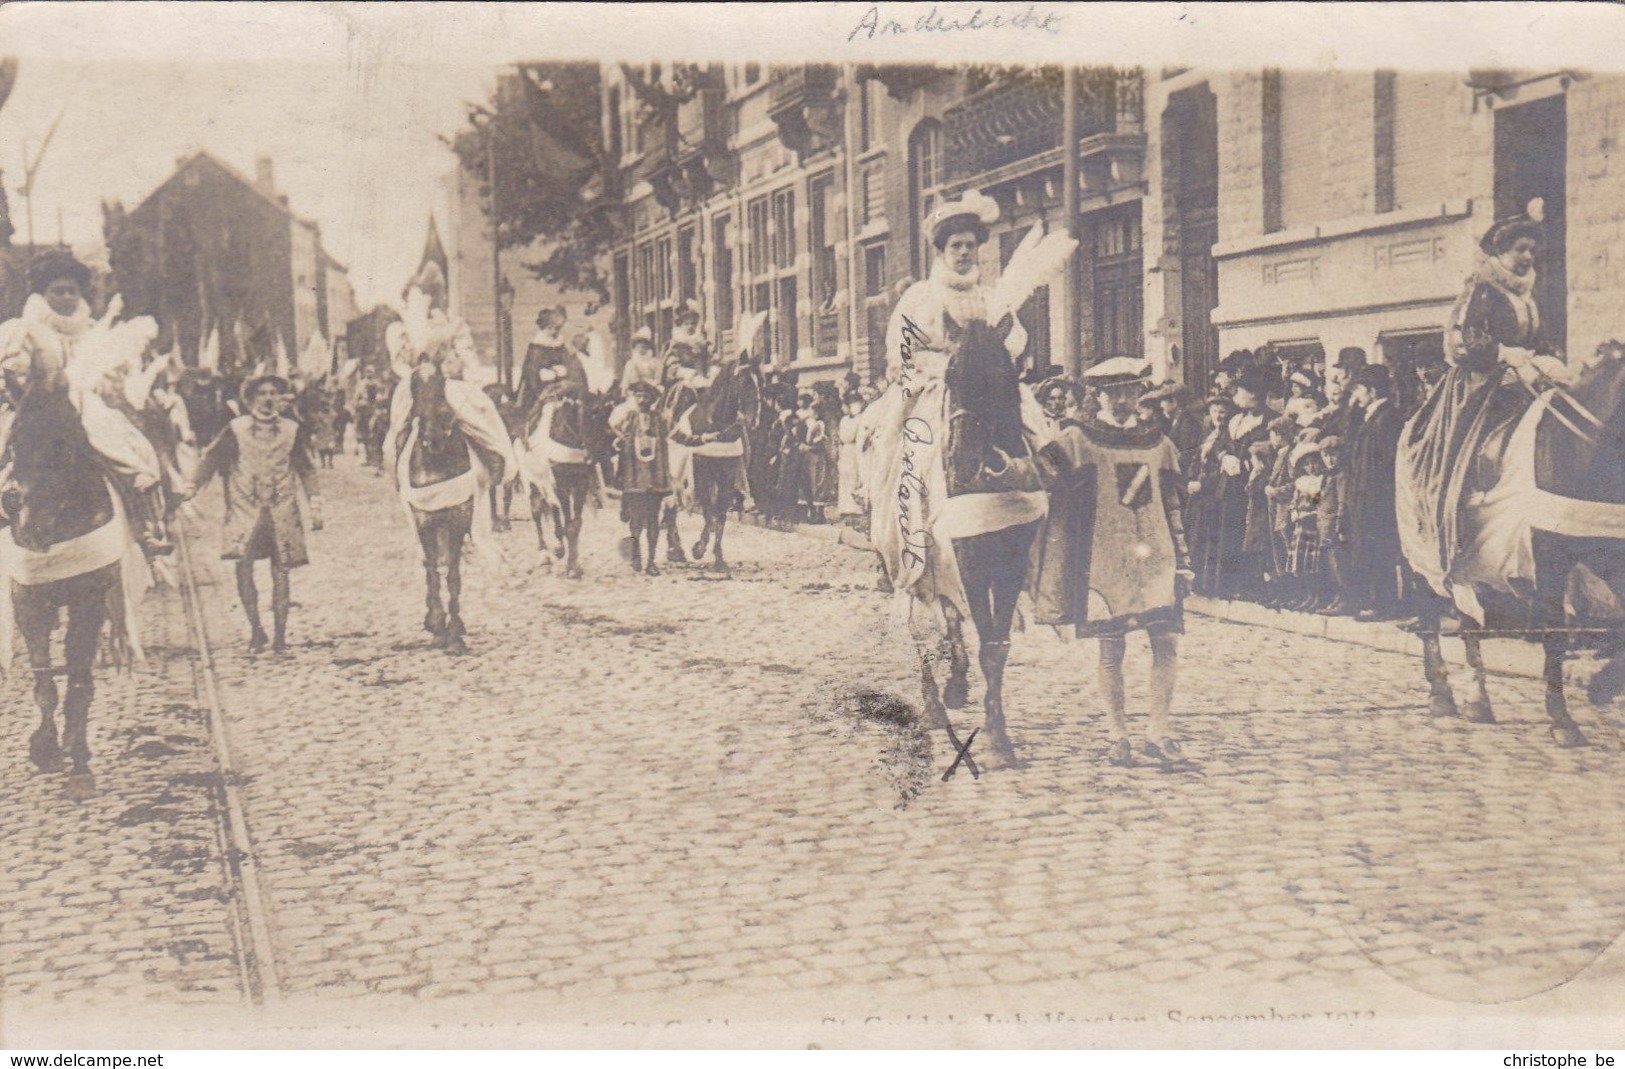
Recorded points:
(723, 403)
(437, 423)
(984, 386)
(53, 464)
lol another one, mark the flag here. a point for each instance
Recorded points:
(245, 352)
(8, 77)
(317, 359)
(434, 252)
(208, 354)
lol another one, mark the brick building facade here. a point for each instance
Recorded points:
(803, 190)
(212, 249)
(1333, 209)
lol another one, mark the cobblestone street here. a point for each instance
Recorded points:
(651, 791)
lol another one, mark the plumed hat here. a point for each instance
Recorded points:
(1118, 371)
(974, 209)
(690, 309)
(54, 264)
(431, 277)
(1525, 224)
(644, 336)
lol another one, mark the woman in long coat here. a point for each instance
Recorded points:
(1201, 487)
(1495, 334)
(1238, 567)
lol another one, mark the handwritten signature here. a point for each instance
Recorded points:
(912, 334)
(911, 485)
(872, 24)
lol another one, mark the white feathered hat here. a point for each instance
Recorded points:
(974, 206)
(417, 334)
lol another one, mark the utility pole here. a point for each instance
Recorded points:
(504, 355)
(1071, 351)
(31, 167)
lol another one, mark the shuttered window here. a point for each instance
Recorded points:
(1424, 107)
(1303, 161)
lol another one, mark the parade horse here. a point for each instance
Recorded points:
(723, 411)
(1552, 514)
(567, 438)
(65, 550)
(986, 455)
(439, 484)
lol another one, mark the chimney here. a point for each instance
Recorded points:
(265, 176)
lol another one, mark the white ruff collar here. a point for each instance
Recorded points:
(37, 310)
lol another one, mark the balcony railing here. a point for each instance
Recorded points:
(1019, 116)
(805, 106)
(799, 83)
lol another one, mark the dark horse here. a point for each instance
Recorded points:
(58, 493)
(441, 490)
(571, 435)
(1576, 505)
(986, 453)
(720, 417)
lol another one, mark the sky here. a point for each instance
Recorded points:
(355, 149)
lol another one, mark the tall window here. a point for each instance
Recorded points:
(623, 298)
(753, 73)
(784, 259)
(784, 228)
(1304, 176)
(873, 193)
(757, 260)
(875, 306)
(871, 96)
(688, 277)
(1423, 106)
(616, 121)
(757, 251)
(1119, 301)
(821, 240)
(722, 268)
(925, 182)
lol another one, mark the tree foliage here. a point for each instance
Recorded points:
(540, 137)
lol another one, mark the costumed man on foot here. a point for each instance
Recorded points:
(1111, 556)
(264, 460)
(56, 320)
(686, 370)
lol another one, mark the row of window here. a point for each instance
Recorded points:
(1306, 145)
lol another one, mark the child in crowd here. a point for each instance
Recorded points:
(1329, 520)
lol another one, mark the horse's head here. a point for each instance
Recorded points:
(732, 399)
(1575, 456)
(430, 409)
(984, 400)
